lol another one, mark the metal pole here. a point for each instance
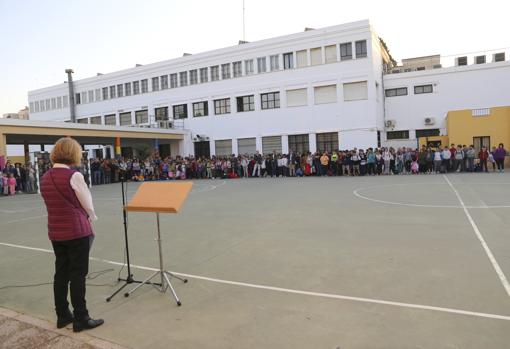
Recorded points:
(160, 254)
(70, 84)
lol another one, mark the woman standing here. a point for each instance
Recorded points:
(499, 157)
(70, 212)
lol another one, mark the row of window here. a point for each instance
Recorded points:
(296, 97)
(404, 134)
(299, 143)
(49, 104)
(402, 91)
(290, 60)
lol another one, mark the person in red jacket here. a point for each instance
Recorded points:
(70, 213)
(483, 155)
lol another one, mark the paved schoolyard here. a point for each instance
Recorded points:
(387, 262)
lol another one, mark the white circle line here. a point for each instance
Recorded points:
(356, 193)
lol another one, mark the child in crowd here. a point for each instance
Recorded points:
(415, 167)
(12, 184)
(5, 184)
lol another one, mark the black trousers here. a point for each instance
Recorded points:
(71, 268)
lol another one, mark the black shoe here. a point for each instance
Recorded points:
(64, 320)
(86, 324)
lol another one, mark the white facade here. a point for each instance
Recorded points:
(324, 94)
(454, 88)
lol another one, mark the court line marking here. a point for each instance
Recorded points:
(294, 291)
(356, 192)
(26, 219)
(479, 235)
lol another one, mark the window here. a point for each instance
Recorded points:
(397, 135)
(297, 97)
(53, 103)
(331, 54)
(270, 100)
(155, 84)
(32, 108)
(111, 120)
(261, 65)
(222, 106)
(77, 101)
(271, 144)
(274, 62)
(393, 92)
(299, 143)
(59, 103)
(355, 91)
(203, 75)
(238, 69)
(180, 111)
(173, 80)
(125, 119)
(161, 113)
(346, 51)
(223, 147)
(91, 97)
(141, 116)
(225, 71)
(316, 56)
(498, 57)
(429, 132)
(42, 106)
(288, 60)
(327, 141)
(83, 97)
(65, 101)
(136, 87)
(112, 92)
(193, 77)
(302, 58)
(479, 142)
(47, 102)
(200, 109)
(83, 121)
(325, 94)
(461, 60)
(98, 94)
(164, 82)
(183, 78)
(246, 146)
(36, 106)
(215, 73)
(422, 89)
(361, 49)
(145, 86)
(245, 103)
(479, 59)
(481, 112)
(120, 90)
(127, 88)
(95, 120)
(248, 66)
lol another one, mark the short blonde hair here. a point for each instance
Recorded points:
(66, 151)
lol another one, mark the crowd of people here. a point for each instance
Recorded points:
(356, 162)
(18, 177)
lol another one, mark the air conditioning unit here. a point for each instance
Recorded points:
(165, 124)
(430, 121)
(389, 123)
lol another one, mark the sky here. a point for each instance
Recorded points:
(39, 39)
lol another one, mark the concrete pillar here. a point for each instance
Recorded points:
(212, 147)
(26, 152)
(258, 144)
(117, 147)
(285, 144)
(312, 141)
(234, 146)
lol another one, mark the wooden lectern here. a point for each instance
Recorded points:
(159, 197)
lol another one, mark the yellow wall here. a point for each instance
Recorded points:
(462, 126)
(424, 141)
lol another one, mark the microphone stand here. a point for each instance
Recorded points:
(129, 279)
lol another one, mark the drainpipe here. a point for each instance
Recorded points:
(70, 84)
